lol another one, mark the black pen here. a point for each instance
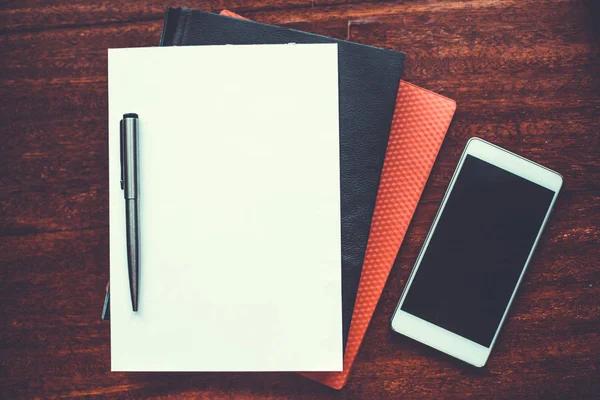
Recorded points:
(130, 184)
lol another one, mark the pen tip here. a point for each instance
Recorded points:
(134, 301)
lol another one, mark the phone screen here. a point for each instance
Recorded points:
(478, 250)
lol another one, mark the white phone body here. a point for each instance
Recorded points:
(446, 340)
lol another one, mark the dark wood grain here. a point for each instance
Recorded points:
(525, 75)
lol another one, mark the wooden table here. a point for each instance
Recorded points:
(525, 75)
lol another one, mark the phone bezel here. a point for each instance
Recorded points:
(436, 336)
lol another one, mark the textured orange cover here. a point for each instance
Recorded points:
(421, 120)
(228, 13)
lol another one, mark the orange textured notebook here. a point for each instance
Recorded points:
(421, 120)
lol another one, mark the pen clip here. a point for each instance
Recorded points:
(122, 153)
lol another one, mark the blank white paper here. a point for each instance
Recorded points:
(240, 209)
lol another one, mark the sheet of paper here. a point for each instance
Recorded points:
(240, 209)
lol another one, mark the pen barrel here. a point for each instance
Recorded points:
(133, 249)
(130, 157)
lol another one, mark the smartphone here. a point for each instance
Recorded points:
(476, 252)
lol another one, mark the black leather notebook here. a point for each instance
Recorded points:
(368, 83)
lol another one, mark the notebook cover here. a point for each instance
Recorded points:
(368, 83)
(420, 123)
